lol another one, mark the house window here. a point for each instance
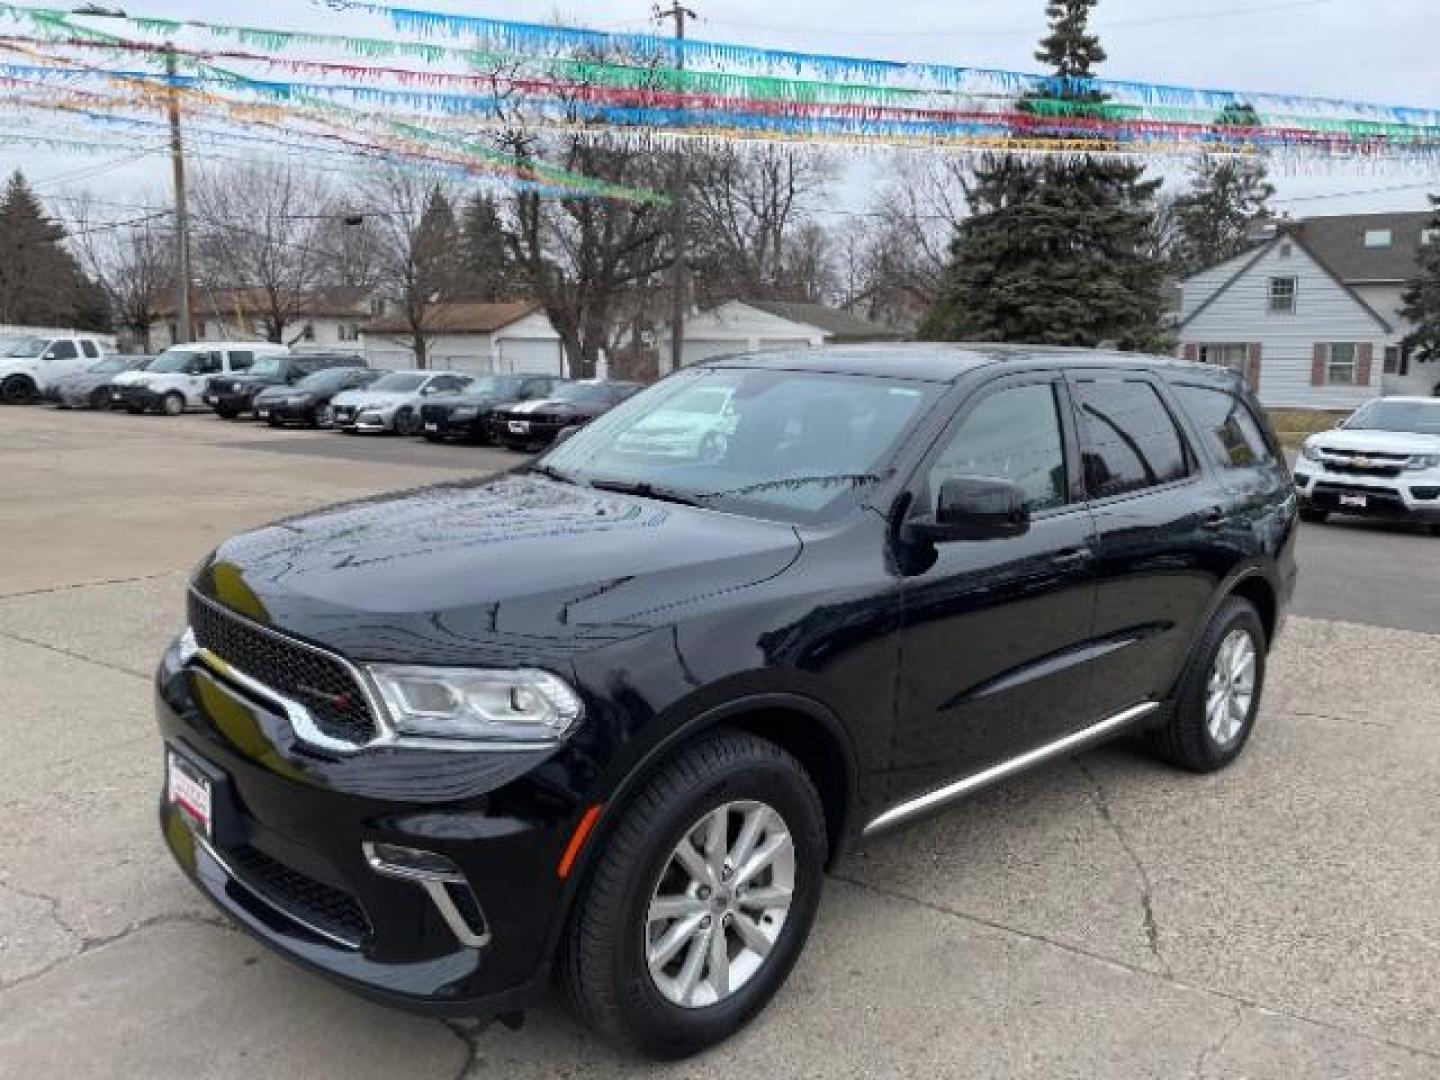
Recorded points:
(308, 334)
(1340, 363)
(1286, 250)
(1397, 361)
(1429, 236)
(1282, 294)
(1232, 356)
(348, 332)
(1379, 238)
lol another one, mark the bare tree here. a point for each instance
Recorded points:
(133, 264)
(751, 212)
(258, 228)
(418, 247)
(913, 224)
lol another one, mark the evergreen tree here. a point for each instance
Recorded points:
(1056, 252)
(1213, 218)
(486, 254)
(40, 283)
(1421, 299)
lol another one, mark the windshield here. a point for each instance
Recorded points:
(493, 386)
(266, 365)
(326, 379)
(399, 380)
(105, 367)
(781, 444)
(26, 346)
(172, 360)
(1420, 417)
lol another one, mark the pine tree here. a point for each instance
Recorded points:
(1056, 252)
(1227, 195)
(1421, 299)
(486, 255)
(40, 283)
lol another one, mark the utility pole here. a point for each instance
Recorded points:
(183, 323)
(678, 269)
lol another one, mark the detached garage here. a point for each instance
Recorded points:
(747, 325)
(476, 338)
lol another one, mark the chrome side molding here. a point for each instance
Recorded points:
(995, 773)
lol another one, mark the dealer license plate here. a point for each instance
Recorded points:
(432, 427)
(1359, 502)
(188, 790)
(263, 414)
(115, 395)
(519, 427)
(209, 399)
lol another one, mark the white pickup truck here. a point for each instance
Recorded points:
(176, 380)
(31, 363)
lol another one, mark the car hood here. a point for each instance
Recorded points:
(553, 406)
(1378, 442)
(450, 401)
(508, 570)
(370, 398)
(146, 378)
(86, 380)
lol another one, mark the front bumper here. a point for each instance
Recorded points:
(230, 401)
(287, 858)
(536, 433)
(133, 397)
(286, 412)
(348, 419)
(446, 426)
(1408, 496)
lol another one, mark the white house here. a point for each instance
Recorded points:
(327, 319)
(473, 337)
(1311, 314)
(746, 325)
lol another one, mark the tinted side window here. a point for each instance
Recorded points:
(239, 361)
(208, 363)
(1013, 434)
(1227, 426)
(64, 350)
(1128, 439)
(91, 349)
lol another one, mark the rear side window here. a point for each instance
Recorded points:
(1013, 434)
(64, 350)
(1229, 429)
(240, 361)
(91, 349)
(1128, 439)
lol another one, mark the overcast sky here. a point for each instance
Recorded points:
(1372, 50)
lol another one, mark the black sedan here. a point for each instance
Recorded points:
(466, 415)
(232, 395)
(304, 402)
(533, 424)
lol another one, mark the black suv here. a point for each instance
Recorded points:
(465, 414)
(231, 395)
(611, 715)
(530, 425)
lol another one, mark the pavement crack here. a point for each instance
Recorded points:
(1332, 718)
(469, 1037)
(1218, 1046)
(24, 640)
(1147, 888)
(48, 590)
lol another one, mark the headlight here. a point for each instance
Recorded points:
(1310, 452)
(478, 705)
(464, 412)
(1423, 461)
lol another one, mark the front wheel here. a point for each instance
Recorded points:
(173, 403)
(225, 412)
(19, 390)
(701, 900)
(407, 422)
(1214, 709)
(99, 398)
(1314, 517)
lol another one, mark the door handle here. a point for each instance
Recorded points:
(1215, 518)
(1073, 557)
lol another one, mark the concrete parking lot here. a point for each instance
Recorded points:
(1105, 917)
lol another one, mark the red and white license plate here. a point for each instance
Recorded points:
(1359, 502)
(519, 427)
(188, 790)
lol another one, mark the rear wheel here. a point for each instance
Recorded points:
(1314, 517)
(1214, 709)
(134, 410)
(407, 422)
(173, 403)
(431, 436)
(225, 412)
(701, 899)
(19, 390)
(273, 420)
(99, 398)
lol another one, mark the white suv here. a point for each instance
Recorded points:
(1384, 462)
(28, 365)
(176, 380)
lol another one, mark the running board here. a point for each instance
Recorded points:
(960, 788)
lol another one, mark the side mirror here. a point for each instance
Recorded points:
(565, 433)
(973, 508)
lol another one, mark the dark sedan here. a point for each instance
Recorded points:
(306, 401)
(533, 424)
(90, 389)
(466, 415)
(231, 395)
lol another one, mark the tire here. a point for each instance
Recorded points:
(1314, 517)
(99, 398)
(407, 422)
(134, 410)
(605, 970)
(1188, 739)
(274, 421)
(1435, 530)
(172, 404)
(19, 390)
(224, 412)
(433, 437)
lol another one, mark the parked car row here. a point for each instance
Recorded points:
(263, 381)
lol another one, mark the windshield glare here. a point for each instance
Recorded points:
(105, 367)
(1419, 417)
(781, 444)
(582, 393)
(173, 360)
(26, 346)
(399, 381)
(325, 379)
(265, 365)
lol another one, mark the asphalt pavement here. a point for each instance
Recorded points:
(1102, 918)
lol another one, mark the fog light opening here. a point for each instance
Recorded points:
(442, 881)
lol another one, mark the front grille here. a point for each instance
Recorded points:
(1350, 469)
(322, 906)
(343, 414)
(435, 414)
(1377, 500)
(322, 683)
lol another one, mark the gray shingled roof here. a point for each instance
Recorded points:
(1339, 243)
(841, 324)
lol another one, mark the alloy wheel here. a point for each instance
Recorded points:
(721, 901)
(1230, 689)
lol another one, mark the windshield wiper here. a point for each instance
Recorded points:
(647, 491)
(552, 473)
(847, 480)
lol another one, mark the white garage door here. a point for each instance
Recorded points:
(532, 356)
(698, 349)
(784, 343)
